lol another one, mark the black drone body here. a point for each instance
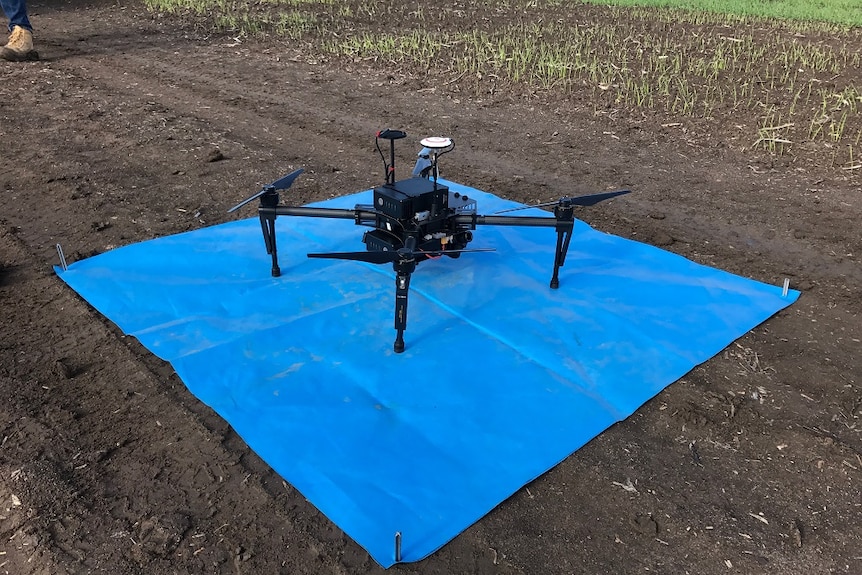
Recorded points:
(415, 219)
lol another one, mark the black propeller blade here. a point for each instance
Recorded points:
(369, 257)
(588, 200)
(390, 256)
(280, 184)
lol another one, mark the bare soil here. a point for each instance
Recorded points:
(131, 127)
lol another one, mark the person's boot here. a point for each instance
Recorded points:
(20, 46)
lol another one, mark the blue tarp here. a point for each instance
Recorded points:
(502, 377)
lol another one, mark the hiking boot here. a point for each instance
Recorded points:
(20, 46)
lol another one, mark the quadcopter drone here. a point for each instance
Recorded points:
(415, 219)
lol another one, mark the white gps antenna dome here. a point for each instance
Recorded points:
(436, 143)
(432, 148)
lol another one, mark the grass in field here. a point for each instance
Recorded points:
(797, 77)
(844, 12)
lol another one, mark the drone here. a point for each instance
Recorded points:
(416, 219)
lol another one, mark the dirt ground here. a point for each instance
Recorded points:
(131, 128)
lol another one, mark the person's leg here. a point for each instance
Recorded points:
(16, 11)
(19, 48)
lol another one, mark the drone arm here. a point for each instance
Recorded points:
(361, 215)
(269, 210)
(314, 212)
(474, 220)
(563, 221)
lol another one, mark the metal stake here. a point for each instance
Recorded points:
(398, 547)
(62, 258)
(786, 287)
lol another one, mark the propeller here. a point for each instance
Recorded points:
(369, 257)
(588, 200)
(392, 256)
(280, 184)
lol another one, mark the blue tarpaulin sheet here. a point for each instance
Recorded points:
(502, 377)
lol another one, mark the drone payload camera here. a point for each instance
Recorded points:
(416, 219)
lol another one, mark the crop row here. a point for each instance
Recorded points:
(797, 77)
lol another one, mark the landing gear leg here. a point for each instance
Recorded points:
(403, 270)
(564, 212)
(268, 203)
